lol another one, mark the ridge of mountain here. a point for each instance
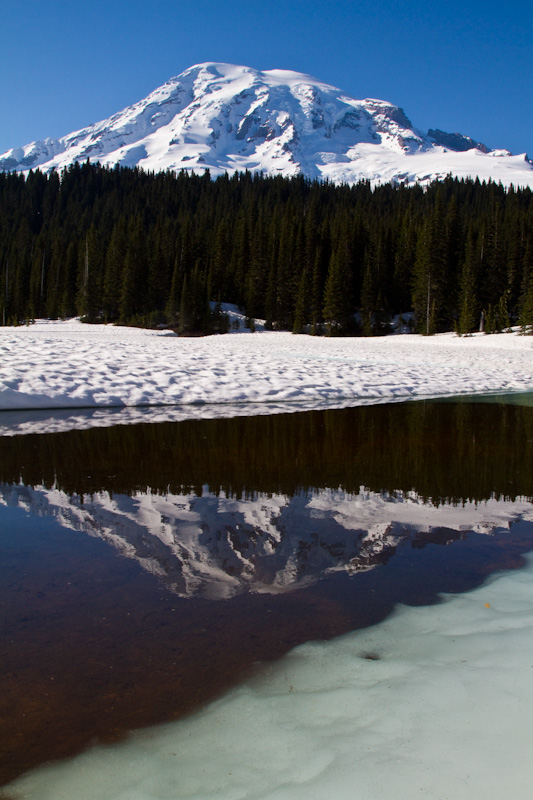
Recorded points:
(228, 118)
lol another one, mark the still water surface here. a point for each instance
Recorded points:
(146, 569)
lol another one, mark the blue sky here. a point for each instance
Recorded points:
(458, 66)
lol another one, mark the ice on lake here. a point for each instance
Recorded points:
(434, 702)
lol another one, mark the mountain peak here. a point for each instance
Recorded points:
(227, 118)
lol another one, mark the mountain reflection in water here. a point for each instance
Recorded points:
(306, 526)
(217, 547)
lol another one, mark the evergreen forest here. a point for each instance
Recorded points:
(136, 248)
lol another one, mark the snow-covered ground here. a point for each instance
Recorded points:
(68, 365)
(435, 702)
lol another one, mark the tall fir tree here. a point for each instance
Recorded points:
(430, 273)
(469, 308)
(337, 309)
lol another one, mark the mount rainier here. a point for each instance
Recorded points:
(228, 118)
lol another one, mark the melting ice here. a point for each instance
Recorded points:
(434, 702)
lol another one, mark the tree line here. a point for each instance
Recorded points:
(131, 247)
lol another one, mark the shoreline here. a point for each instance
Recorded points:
(67, 368)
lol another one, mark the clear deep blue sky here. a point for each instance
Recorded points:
(459, 66)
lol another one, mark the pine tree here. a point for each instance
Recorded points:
(503, 312)
(337, 308)
(429, 273)
(320, 270)
(468, 300)
(255, 278)
(373, 305)
(134, 274)
(113, 271)
(526, 299)
(194, 305)
(301, 312)
(286, 274)
(173, 305)
(404, 260)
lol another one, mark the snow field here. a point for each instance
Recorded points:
(434, 702)
(66, 364)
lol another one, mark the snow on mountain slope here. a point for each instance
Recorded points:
(225, 118)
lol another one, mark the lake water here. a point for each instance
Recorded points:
(147, 569)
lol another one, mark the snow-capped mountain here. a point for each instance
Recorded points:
(225, 118)
(217, 547)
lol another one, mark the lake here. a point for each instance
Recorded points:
(148, 569)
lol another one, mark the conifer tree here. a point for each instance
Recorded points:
(135, 273)
(526, 299)
(256, 275)
(5, 314)
(67, 300)
(404, 260)
(320, 270)
(160, 260)
(503, 312)
(113, 271)
(468, 300)
(286, 274)
(88, 296)
(429, 273)
(39, 269)
(337, 308)
(173, 305)
(194, 305)
(303, 301)
(496, 277)
(373, 305)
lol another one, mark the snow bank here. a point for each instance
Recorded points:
(65, 364)
(434, 702)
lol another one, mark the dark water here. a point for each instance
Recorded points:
(147, 568)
